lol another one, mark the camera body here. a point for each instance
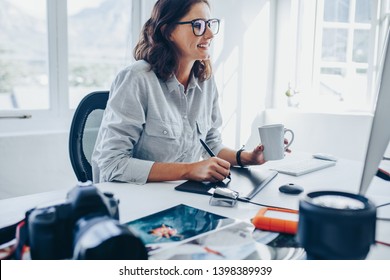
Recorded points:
(85, 226)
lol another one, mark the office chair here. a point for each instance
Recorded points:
(83, 132)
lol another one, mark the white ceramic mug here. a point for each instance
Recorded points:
(272, 138)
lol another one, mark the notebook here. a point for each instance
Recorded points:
(246, 181)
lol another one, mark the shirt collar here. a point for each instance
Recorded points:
(194, 82)
(172, 83)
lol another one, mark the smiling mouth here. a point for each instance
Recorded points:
(203, 46)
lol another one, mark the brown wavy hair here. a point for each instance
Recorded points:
(154, 45)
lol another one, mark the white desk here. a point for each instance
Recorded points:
(140, 200)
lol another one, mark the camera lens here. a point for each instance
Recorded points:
(338, 202)
(336, 225)
(103, 238)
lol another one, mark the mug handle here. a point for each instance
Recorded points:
(292, 138)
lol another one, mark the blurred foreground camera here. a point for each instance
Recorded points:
(86, 226)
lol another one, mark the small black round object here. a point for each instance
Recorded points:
(291, 189)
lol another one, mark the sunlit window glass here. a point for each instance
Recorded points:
(334, 44)
(24, 83)
(345, 53)
(336, 10)
(99, 44)
(361, 40)
(363, 11)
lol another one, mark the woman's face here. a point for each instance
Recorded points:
(191, 47)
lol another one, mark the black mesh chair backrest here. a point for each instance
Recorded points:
(83, 132)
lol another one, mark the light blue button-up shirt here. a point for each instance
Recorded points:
(148, 120)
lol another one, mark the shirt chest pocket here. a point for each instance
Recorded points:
(164, 130)
(160, 141)
(201, 128)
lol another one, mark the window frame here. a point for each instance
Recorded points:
(349, 64)
(58, 117)
(299, 67)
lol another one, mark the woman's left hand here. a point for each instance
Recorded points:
(256, 157)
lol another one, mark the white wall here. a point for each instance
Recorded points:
(243, 63)
(34, 162)
(342, 135)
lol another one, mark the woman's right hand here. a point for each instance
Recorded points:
(213, 169)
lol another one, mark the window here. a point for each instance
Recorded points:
(24, 82)
(99, 44)
(53, 52)
(338, 48)
(344, 51)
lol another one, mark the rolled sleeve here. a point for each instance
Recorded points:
(122, 125)
(131, 170)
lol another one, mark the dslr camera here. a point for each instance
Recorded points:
(85, 226)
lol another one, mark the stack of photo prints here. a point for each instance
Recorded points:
(186, 233)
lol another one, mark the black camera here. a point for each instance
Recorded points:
(85, 226)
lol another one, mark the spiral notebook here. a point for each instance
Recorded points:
(248, 182)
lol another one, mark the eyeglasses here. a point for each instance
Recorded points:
(199, 25)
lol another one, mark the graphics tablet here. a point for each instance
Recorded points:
(247, 181)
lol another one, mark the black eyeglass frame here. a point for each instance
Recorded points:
(207, 23)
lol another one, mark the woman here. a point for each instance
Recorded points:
(164, 103)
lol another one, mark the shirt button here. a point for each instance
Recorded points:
(165, 132)
(185, 116)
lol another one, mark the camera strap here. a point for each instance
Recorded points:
(8, 233)
(14, 241)
(383, 174)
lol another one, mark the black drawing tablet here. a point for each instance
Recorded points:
(247, 181)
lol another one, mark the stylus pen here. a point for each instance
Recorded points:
(210, 152)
